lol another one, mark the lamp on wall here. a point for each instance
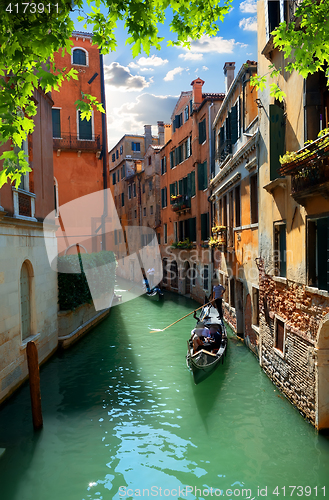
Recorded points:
(259, 103)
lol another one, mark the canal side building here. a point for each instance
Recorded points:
(234, 194)
(80, 146)
(28, 286)
(187, 162)
(293, 229)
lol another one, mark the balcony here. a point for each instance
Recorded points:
(309, 170)
(224, 150)
(71, 142)
(181, 203)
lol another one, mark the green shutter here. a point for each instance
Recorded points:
(192, 228)
(193, 183)
(205, 226)
(234, 123)
(56, 116)
(184, 192)
(85, 129)
(202, 176)
(180, 186)
(277, 140)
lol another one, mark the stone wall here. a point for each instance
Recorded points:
(23, 241)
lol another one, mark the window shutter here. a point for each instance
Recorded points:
(205, 226)
(185, 186)
(234, 123)
(277, 140)
(193, 183)
(56, 116)
(85, 129)
(180, 186)
(192, 228)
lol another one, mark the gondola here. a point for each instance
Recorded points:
(204, 362)
(155, 294)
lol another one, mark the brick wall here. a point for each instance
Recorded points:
(301, 310)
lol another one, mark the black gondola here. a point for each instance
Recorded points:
(205, 361)
(155, 294)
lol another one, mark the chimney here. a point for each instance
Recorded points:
(229, 68)
(197, 91)
(147, 135)
(161, 133)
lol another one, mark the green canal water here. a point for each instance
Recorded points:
(122, 415)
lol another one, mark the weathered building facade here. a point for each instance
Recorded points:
(293, 229)
(234, 194)
(187, 162)
(28, 286)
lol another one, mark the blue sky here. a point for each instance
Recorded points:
(144, 90)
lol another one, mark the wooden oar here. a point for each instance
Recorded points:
(159, 330)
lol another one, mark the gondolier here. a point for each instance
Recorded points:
(217, 296)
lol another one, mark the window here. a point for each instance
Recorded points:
(191, 184)
(202, 176)
(135, 214)
(151, 210)
(129, 192)
(194, 274)
(117, 154)
(135, 146)
(121, 150)
(56, 116)
(202, 131)
(205, 277)
(255, 306)
(143, 188)
(277, 139)
(149, 160)
(85, 128)
(134, 190)
(254, 199)
(122, 199)
(237, 196)
(150, 185)
(192, 228)
(232, 292)
(144, 212)
(186, 113)
(172, 159)
(113, 157)
(173, 191)
(79, 56)
(234, 122)
(175, 232)
(114, 179)
(163, 165)
(118, 176)
(178, 121)
(280, 249)
(205, 226)
(123, 171)
(165, 234)
(318, 252)
(188, 147)
(164, 197)
(279, 334)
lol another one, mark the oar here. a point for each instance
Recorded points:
(159, 330)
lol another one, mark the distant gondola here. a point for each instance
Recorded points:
(203, 363)
(155, 294)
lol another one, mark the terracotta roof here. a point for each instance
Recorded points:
(214, 94)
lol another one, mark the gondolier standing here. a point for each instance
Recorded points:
(217, 296)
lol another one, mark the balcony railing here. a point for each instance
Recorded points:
(224, 150)
(309, 170)
(181, 203)
(75, 143)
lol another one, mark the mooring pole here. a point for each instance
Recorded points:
(33, 365)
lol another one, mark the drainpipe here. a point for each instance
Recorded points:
(104, 150)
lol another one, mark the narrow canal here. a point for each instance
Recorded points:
(122, 415)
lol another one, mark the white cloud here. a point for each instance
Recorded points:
(119, 78)
(248, 6)
(190, 56)
(248, 23)
(215, 44)
(205, 68)
(170, 75)
(131, 116)
(151, 61)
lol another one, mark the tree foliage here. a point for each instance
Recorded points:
(304, 42)
(29, 37)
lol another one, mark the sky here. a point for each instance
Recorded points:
(143, 90)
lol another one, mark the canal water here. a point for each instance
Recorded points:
(123, 419)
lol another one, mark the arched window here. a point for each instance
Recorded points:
(79, 57)
(25, 301)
